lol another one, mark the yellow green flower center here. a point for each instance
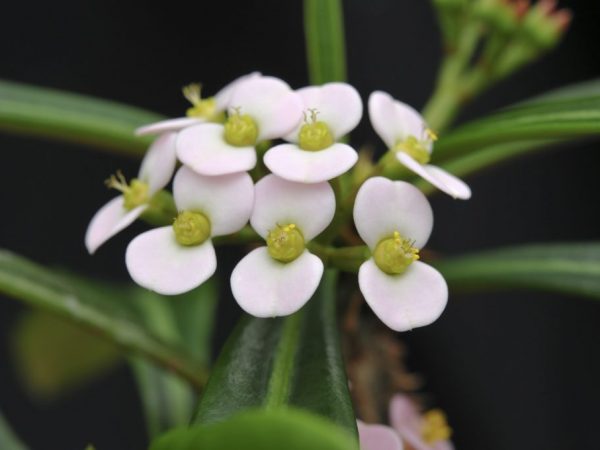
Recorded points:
(435, 427)
(393, 255)
(202, 108)
(314, 135)
(135, 193)
(285, 243)
(240, 130)
(415, 148)
(191, 228)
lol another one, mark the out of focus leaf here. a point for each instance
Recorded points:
(293, 361)
(66, 116)
(54, 356)
(8, 439)
(571, 268)
(280, 429)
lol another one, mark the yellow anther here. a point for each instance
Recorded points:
(414, 148)
(285, 243)
(394, 254)
(431, 134)
(191, 228)
(135, 193)
(192, 92)
(201, 108)
(240, 129)
(435, 427)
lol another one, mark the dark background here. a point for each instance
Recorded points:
(513, 371)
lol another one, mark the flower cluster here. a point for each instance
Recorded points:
(227, 145)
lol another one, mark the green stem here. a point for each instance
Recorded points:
(347, 259)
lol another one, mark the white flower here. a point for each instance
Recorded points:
(395, 221)
(175, 259)
(155, 173)
(404, 132)
(260, 109)
(331, 111)
(377, 437)
(202, 110)
(278, 279)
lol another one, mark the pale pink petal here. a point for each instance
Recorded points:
(223, 97)
(413, 299)
(264, 287)
(383, 206)
(275, 108)
(377, 437)
(338, 105)
(204, 150)
(281, 202)
(393, 120)
(108, 221)
(164, 126)
(292, 163)
(159, 162)
(156, 261)
(404, 414)
(226, 200)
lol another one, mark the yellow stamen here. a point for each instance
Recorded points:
(435, 427)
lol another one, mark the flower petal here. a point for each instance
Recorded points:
(203, 149)
(108, 221)
(265, 287)
(163, 126)
(383, 206)
(159, 162)
(338, 105)
(292, 163)
(271, 103)
(223, 97)
(441, 179)
(156, 261)
(377, 437)
(226, 200)
(278, 201)
(406, 301)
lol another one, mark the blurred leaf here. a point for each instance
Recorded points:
(324, 36)
(280, 429)
(8, 439)
(571, 112)
(54, 356)
(571, 268)
(66, 116)
(286, 361)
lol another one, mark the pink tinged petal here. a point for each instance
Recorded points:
(271, 103)
(156, 261)
(226, 200)
(159, 162)
(294, 164)
(264, 287)
(338, 105)
(165, 126)
(278, 201)
(204, 150)
(383, 206)
(223, 97)
(108, 221)
(377, 437)
(413, 299)
(441, 179)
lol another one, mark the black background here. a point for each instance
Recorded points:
(513, 371)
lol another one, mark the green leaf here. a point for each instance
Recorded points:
(8, 439)
(54, 356)
(570, 268)
(324, 35)
(287, 429)
(286, 361)
(66, 116)
(100, 308)
(569, 113)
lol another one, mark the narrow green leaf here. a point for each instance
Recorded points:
(279, 429)
(8, 439)
(571, 268)
(324, 35)
(293, 361)
(66, 116)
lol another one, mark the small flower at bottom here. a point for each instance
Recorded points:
(377, 437)
(314, 155)
(404, 132)
(175, 259)
(279, 278)
(395, 220)
(155, 173)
